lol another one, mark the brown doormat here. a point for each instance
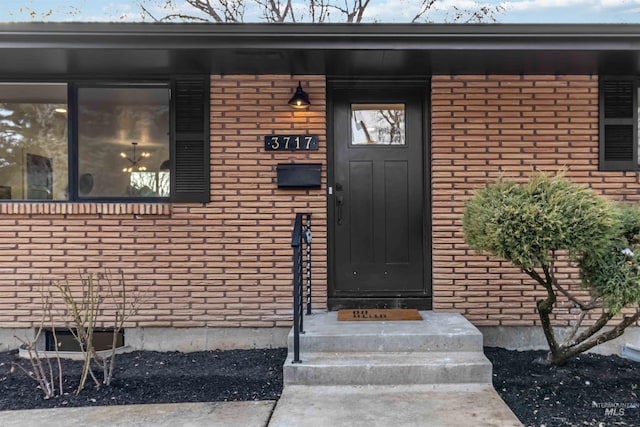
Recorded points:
(379, 314)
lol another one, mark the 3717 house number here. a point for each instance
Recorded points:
(290, 142)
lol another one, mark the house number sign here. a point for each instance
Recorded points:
(290, 142)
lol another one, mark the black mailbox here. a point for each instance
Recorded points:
(299, 175)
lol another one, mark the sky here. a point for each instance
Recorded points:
(512, 11)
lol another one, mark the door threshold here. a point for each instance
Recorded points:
(420, 303)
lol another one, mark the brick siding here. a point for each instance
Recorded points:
(484, 126)
(228, 263)
(224, 264)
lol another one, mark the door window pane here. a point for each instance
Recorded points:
(33, 141)
(380, 124)
(123, 141)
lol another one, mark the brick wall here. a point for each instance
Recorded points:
(484, 126)
(225, 264)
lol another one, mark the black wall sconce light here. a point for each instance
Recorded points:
(300, 99)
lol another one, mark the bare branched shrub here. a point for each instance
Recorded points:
(125, 308)
(103, 300)
(42, 369)
(101, 295)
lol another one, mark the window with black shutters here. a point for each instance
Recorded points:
(105, 140)
(619, 124)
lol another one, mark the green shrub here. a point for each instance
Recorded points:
(533, 223)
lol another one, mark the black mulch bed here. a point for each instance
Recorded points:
(153, 377)
(572, 395)
(538, 395)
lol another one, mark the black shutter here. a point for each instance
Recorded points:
(191, 141)
(618, 124)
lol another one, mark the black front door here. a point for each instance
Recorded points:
(378, 201)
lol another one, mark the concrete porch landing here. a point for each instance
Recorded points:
(410, 373)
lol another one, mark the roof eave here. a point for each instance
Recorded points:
(77, 48)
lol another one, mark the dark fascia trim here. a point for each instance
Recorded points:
(574, 37)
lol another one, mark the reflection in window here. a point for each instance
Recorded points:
(33, 141)
(145, 184)
(381, 124)
(123, 140)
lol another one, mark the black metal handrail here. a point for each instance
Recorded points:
(300, 240)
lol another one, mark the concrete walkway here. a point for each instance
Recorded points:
(473, 405)
(214, 414)
(353, 406)
(331, 406)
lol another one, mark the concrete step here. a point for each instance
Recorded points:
(388, 368)
(440, 332)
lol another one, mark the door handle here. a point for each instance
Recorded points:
(339, 204)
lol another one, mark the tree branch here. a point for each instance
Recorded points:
(361, 8)
(425, 6)
(545, 307)
(599, 324)
(614, 333)
(146, 11)
(173, 16)
(594, 303)
(206, 7)
(575, 328)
